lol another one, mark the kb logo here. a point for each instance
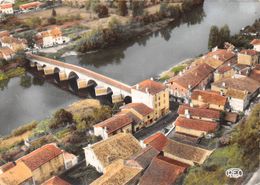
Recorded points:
(234, 173)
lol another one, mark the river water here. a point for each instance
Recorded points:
(130, 62)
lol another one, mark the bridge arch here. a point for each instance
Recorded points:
(128, 99)
(72, 79)
(56, 75)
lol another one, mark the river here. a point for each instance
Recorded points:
(130, 62)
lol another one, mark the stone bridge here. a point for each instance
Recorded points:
(79, 77)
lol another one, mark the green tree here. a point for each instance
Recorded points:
(213, 37)
(122, 8)
(224, 34)
(82, 126)
(61, 117)
(26, 81)
(187, 5)
(138, 8)
(33, 22)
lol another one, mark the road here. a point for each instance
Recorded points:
(158, 126)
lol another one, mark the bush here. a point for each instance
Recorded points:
(101, 11)
(61, 118)
(22, 129)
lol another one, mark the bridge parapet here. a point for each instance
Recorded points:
(83, 74)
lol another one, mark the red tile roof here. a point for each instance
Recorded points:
(186, 151)
(157, 141)
(4, 33)
(210, 97)
(41, 156)
(231, 117)
(221, 54)
(150, 86)
(255, 42)
(199, 112)
(30, 5)
(224, 68)
(195, 124)
(248, 52)
(6, 5)
(243, 83)
(144, 157)
(139, 107)
(193, 76)
(255, 74)
(55, 181)
(162, 171)
(7, 166)
(114, 123)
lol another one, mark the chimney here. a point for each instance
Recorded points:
(223, 84)
(191, 104)
(189, 86)
(229, 64)
(146, 90)
(221, 93)
(137, 86)
(187, 113)
(151, 78)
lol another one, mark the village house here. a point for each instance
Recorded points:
(44, 162)
(18, 174)
(119, 173)
(216, 58)
(186, 139)
(256, 44)
(185, 153)
(162, 171)
(50, 38)
(199, 113)
(182, 152)
(116, 124)
(195, 127)
(197, 77)
(131, 118)
(209, 99)
(4, 33)
(55, 180)
(245, 84)
(144, 158)
(13, 43)
(238, 100)
(6, 53)
(143, 113)
(255, 73)
(224, 71)
(103, 153)
(6, 9)
(248, 57)
(30, 6)
(70, 160)
(154, 95)
(241, 70)
(157, 141)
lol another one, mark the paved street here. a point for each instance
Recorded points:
(158, 126)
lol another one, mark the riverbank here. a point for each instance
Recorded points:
(175, 70)
(13, 72)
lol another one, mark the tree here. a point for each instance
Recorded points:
(224, 34)
(26, 81)
(138, 8)
(61, 117)
(33, 22)
(52, 20)
(213, 37)
(101, 11)
(53, 13)
(122, 8)
(82, 126)
(187, 5)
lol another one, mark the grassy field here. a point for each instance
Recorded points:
(6, 143)
(44, 14)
